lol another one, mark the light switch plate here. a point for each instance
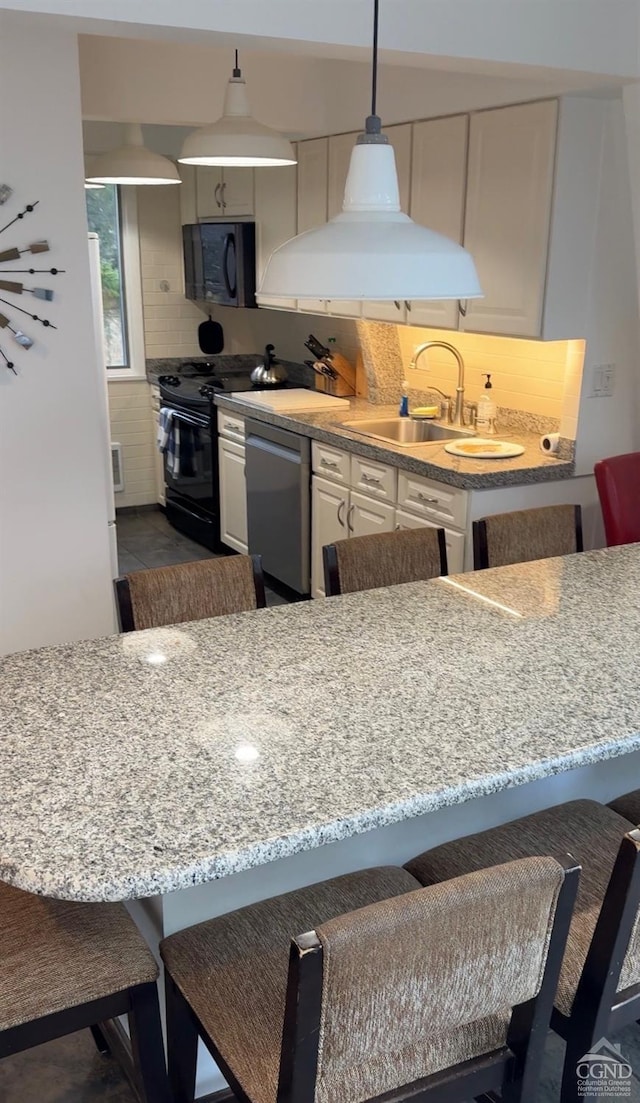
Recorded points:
(603, 380)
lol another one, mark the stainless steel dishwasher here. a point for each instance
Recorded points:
(278, 472)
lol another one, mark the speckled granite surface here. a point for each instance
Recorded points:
(430, 460)
(144, 763)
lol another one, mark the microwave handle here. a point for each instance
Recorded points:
(228, 242)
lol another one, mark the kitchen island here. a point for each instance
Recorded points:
(213, 763)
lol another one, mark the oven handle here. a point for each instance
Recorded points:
(228, 242)
(189, 419)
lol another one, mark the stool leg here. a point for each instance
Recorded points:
(146, 1041)
(182, 1044)
(577, 1046)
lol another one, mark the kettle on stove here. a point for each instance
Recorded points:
(271, 373)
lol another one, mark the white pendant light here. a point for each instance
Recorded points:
(371, 250)
(237, 139)
(133, 163)
(90, 185)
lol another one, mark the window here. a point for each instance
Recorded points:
(112, 215)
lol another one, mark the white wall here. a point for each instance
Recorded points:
(592, 289)
(133, 427)
(55, 582)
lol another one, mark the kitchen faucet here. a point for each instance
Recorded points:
(457, 416)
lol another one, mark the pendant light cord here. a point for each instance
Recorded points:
(236, 71)
(374, 75)
(373, 124)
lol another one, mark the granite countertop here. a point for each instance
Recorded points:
(140, 764)
(430, 459)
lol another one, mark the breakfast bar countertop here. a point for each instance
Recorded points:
(428, 459)
(140, 764)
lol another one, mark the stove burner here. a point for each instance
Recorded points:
(169, 380)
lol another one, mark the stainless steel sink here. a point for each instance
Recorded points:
(405, 430)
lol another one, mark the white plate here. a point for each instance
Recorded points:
(471, 448)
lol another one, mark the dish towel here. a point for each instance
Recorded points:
(169, 440)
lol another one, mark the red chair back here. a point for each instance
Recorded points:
(618, 482)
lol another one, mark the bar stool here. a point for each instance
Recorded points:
(599, 989)
(66, 966)
(618, 483)
(384, 559)
(628, 806)
(525, 535)
(190, 591)
(393, 989)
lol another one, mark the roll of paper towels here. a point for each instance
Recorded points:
(550, 443)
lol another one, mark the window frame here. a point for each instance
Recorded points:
(132, 279)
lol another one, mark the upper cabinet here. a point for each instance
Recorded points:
(340, 147)
(313, 162)
(224, 193)
(438, 190)
(275, 195)
(508, 211)
(187, 189)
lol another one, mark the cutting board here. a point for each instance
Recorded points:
(294, 399)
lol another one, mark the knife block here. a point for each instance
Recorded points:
(344, 385)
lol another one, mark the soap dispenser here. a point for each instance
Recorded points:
(486, 419)
(404, 401)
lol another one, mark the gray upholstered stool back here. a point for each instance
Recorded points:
(525, 535)
(384, 559)
(190, 591)
(423, 981)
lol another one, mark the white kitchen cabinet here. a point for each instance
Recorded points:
(508, 210)
(233, 490)
(329, 503)
(276, 218)
(313, 161)
(340, 147)
(158, 458)
(224, 193)
(188, 209)
(438, 188)
(367, 516)
(400, 138)
(453, 540)
(233, 495)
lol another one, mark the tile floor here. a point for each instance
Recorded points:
(71, 1071)
(146, 539)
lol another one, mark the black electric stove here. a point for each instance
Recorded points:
(196, 389)
(192, 483)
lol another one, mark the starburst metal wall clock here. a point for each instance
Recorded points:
(10, 328)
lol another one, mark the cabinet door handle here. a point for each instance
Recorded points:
(341, 519)
(372, 480)
(398, 526)
(349, 516)
(216, 195)
(222, 198)
(329, 463)
(462, 308)
(431, 501)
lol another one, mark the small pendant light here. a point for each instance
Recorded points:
(371, 251)
(237, 138)
(133, 163)
(88, 169)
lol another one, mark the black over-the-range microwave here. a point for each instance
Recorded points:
(220, 262)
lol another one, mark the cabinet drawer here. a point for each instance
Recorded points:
(230, 425)
(446, 505)
(330, 462)
(453, 540)
(373, 478)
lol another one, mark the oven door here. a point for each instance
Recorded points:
(194, 478)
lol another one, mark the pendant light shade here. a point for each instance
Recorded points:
(88, 169)
(133, 163)
(370, 251)
(237, 138)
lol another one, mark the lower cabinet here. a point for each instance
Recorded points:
(367, 516)
(233, 495)
(329, 505)
(158, 458)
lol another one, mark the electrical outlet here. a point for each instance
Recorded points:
(603, 379)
